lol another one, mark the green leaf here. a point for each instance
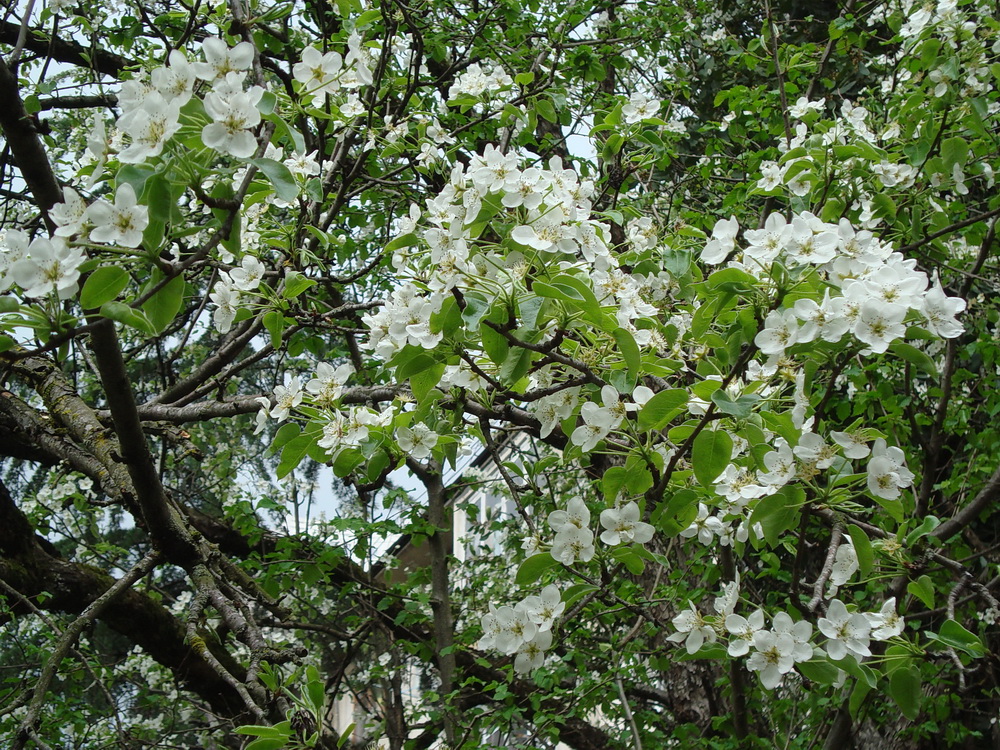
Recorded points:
(710, 455)
(904, 687)
(162, 307)
(292, 133)
(733, 280)
(577, 591)
(915, 357)
(857, 699)
(639, 480)
(893, 507)
(284, 434)
(367, 18)
(926, 527)
(661, 408)
(347, 461)
(515, 366)
(157, 198)
(423, 382)
(122, 313)
(528, 310)
(416, 364)
(404, 240)
(740, 408)
(292, 454)
(863, 548)
(675, 515)
(280, 176)
(267, 743)
(612, 482)
(295, 284)
(9, 305)
(628, 557)
(266, 103)
(222, 190)
(258, 730)
(954, 635)
(476, 307)
(561, 292)
(346, 736)
(546, 110)
(531, 569)
(778, 513)
(629, 351)
(103, 285)
(820, 671)
(703, 317)
(524, 79)
(315, 689)
(494, 344)
(954, 151)
(861, 671)
(135, 175)
(923, 589)
(274, 322)
(884, 206)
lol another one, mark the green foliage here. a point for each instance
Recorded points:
(665, 430)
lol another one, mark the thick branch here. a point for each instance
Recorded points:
(25, 146)
(163, 521)
(66, 51)
(57, 585)
(26, 435)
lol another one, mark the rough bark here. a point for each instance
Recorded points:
(30, 565)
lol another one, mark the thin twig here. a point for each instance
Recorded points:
(628, 714)
(824, 574)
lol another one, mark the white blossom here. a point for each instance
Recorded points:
(121, 223)
(847, 633)
(418, 440)
(623, 526)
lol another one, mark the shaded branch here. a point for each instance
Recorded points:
(164, 523)
(25, 147)
(69, 637)
(66, 51)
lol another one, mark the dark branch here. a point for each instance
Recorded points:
(66, 51)
(26, 148)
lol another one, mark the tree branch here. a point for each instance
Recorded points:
(69, 637)
(26, 148)
(164, 523)
(62, 50)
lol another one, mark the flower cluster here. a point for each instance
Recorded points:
(547, 214)
(120, 223)
(40, 266)
(228, 292)
(477, 82)
(404, 319)
(524, 629)
(151, 111)
(774, 652)
(738, 487)
(330, 74)
(878, 287)
(234, 114)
